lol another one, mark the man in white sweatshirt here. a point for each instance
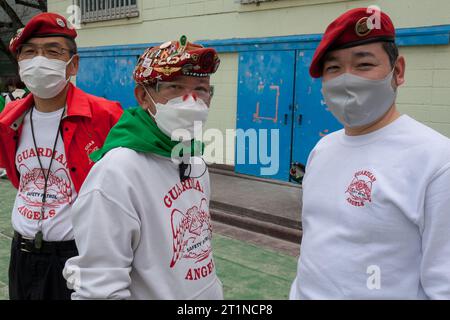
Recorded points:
(376, 195)
(141, 222)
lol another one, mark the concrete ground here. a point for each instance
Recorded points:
(251, 265)
(282, 201)
(265, 206)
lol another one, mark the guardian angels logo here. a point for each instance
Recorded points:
(58, 187)
(192, 233)
(360, 189)
(32, 184)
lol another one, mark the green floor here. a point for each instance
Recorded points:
(247, 271)
(7, 194)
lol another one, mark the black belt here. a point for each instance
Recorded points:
(48, 247)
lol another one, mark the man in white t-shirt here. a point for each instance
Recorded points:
(376, 199)
(45, 142)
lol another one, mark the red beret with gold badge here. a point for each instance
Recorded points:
(353, 28)
(43, 25)
(175, 58)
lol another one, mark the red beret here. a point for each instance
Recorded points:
(175, 58)
(353, 28)
(43, 25)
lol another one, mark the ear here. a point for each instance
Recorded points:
(399, 71)
(141, 96)
(72, 68)
(143, 99)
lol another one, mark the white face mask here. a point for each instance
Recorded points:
(179, 113)
(44, 77)
(357, 101)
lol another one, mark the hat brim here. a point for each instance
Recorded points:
(361, 42)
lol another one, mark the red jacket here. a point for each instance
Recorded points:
(84, 129)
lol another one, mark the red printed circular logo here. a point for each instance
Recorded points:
(360, 189)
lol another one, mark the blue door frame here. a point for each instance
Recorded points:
(109, 77)
(265, 102)
(275, 91)
(312, 120)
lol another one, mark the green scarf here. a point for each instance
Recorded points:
(137, 131)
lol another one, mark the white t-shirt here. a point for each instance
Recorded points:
(376, 216)
(141, 233)
(56, 222)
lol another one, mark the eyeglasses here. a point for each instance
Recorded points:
(51, 51)
(171, 90)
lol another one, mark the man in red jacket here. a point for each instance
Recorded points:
(45, 143)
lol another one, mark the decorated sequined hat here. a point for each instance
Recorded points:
(175, 58)
(353, 28)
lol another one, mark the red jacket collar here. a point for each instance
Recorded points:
(77, 105)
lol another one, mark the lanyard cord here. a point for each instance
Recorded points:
(44, 197)
(183, 166)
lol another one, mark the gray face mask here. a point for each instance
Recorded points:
(357, 101)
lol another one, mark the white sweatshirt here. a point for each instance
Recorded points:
(376, 216)
(141, 233)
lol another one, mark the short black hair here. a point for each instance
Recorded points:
(392, 51)
(72, 46)
(390, 47)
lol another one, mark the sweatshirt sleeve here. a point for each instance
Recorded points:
(106, 235)
(435, 267)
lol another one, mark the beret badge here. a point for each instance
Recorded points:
(363, 27)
